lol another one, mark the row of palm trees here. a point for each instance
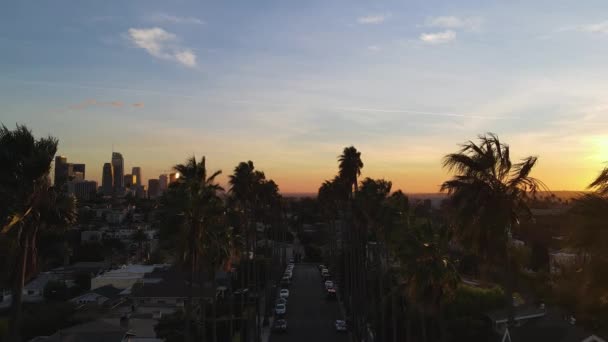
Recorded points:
(211, 231)
(488, 197)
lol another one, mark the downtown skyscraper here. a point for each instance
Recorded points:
(136, 171)
(118, 164)
(107, 179)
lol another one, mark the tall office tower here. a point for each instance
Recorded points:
(83, 190)
(136, 171)
(129, 180)
(118, 164)
(153, 188)
(78, 168)
(163, 182)
(61, 170)
(107, 179)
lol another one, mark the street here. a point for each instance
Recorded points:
(310, 316)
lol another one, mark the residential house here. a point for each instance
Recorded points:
(101, 296)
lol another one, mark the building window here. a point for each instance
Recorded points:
(30, 292)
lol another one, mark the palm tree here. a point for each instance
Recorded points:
(350, 167)
(195, 200)
(489, 195)
(29, 203)
(600, 184)
(429, 276)
(244, 189)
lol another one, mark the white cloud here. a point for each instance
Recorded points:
(162, 44)
(372, 19)
(168, 18)
(453, 22)
(595, 28)
(186, 57)
(373, 48)
(438, 37)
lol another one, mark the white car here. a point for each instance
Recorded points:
(341, 325)
(329, 284)
(280, 309)
(284, 293)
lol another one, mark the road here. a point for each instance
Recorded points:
(310, 317)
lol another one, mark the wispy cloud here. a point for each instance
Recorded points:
(453, 22)
(438, 37)
(173, 19)
(94, 103)
(372, 19)
(601, 27)
(162, 44)
(373, 48)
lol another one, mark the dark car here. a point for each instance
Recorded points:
(280, 325)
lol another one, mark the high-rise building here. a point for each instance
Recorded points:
(107, 179)
(78, 168)
(153, 188)
(83, 190)
(130, 180)
(61, 170)
(118, 164)
(136, 171)
(163, 182)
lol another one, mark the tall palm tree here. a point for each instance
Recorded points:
(195, 200)
(349, 169)
(244, 189)
(489, 195)
(350, 166)
(28, 203)
(429, 276)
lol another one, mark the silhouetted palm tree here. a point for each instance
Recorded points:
(489, 195)
(28, 203)
(600, 184)
(429, 276)
(194, 198)
(245, 191)
(350, 167)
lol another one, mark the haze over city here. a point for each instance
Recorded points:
(289, 84)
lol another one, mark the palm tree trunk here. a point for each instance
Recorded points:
(17, 290)
(423, 326)
(214, 331)
(188, 317)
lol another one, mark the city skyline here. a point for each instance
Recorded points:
(289, 85)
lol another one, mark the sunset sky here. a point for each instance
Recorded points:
(288, 84)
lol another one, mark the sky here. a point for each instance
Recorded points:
(289, 84)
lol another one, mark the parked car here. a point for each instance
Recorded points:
(280, 309)
(329, 284)
(282, 301)
(331, 293)
(280, 325)
(284, 293)
(322, 267)
(341, 326)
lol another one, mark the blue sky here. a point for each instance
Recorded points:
(288, 84)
